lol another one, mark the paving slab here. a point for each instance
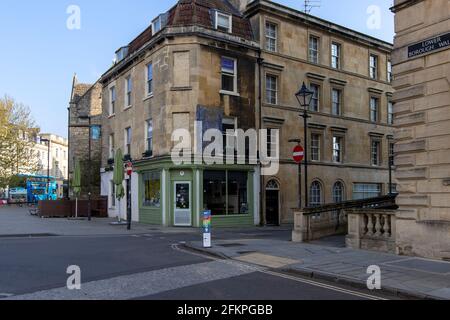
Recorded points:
(421, 278)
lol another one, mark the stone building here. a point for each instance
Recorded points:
(350, 129)
(421, 62)
(85, 118)
(58, 159)
(233, 64)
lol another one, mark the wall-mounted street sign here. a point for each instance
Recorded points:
(428, 46)
(207, 229)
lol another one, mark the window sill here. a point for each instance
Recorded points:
(189, 88)
(111, 116)
(127, 108)
(150, 96)
(229, 93)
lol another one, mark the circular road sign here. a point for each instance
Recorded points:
(298, 154)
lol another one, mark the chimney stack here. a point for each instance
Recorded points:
(241, 5)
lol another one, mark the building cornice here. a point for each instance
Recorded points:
(256, 6)
(403, 4)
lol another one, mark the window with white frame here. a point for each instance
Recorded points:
(128, 91)
(337, 149)
(271, 89)
(390, 113)
(336, 98)
(375, 152)
(335, 55)
(373, 66)
(224, 22)
(374, 109)
(315, 101)
(271, 36)
(111, 146)
(316, 194)
(315, 147)
(149, 137)
(112, 98)
(128, 134)
(229, 75)
(366, 191)
(314, 49)
(272, 141)
(389, 71)
(149, 76)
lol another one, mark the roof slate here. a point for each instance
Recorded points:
(198, 12)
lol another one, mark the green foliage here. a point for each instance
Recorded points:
(17, 138)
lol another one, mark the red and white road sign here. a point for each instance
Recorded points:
(129, 169)
(298, 154)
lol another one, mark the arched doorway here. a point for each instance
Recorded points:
(273, 203)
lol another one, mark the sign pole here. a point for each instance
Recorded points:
(207, 229)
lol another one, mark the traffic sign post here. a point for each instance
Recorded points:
(298, 155)
(207, 229)
(129, 171)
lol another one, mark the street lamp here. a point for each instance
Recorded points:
(48, 166)
(90, 165)
(304, 97)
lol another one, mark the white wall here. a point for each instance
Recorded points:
(121, 207)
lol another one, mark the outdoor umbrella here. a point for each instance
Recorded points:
(76, 184)
(118, 177)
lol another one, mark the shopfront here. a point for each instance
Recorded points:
(177, 196)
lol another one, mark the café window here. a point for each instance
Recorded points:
(152, 189)
(226, 192)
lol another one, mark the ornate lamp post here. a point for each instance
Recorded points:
(304, 97)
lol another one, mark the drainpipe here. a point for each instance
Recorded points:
(261, 180)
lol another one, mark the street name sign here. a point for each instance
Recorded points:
(428, 46)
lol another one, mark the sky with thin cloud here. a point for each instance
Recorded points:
(40, 53)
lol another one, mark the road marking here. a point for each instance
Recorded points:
(325, 286)
(280, 275)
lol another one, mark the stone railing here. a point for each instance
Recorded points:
(310, 227)
(331, 219)
(370, 229)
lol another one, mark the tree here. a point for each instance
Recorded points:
(17, 137)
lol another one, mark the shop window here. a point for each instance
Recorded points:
(152, 189)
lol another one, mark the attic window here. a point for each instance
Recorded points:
(159, 23)
(223, 22)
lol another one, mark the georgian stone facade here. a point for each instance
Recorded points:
(422, 112)
(285, 37)
(187, 59)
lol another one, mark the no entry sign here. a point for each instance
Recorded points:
(298, 154)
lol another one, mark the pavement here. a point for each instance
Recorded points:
(329, 260)
(155, 263)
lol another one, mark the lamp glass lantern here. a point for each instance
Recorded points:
(304, 96)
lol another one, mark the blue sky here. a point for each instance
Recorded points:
(40, 54)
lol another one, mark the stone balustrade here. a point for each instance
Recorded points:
(309, 227)
(370, 229)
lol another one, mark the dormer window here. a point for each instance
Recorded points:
(159, 23)
(223, 22)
